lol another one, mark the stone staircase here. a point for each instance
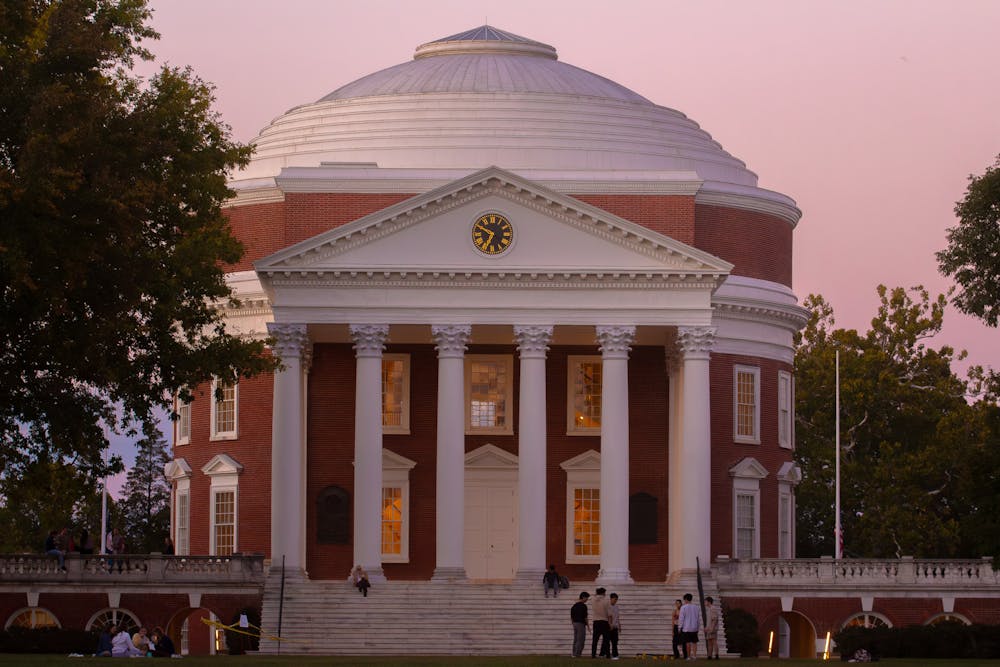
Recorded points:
(460, 618)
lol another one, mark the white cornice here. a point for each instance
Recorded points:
(749, 199)
(489, 279)
(790, 317)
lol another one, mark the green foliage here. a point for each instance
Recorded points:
(113, 242)
(944, 640)
(146, 505)
(48, 640)
(913, 449)
(742, 635)
(972, 257)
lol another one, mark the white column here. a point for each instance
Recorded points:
(532, 344)
(288, 449)
(614, 341)
(450, 341)
(695, 494)
(369, 341)
(675, 470)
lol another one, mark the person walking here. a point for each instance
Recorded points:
(551, 580)
(614, 619)
(578, 616)
(601, 626)
(690, 623)
(711, 628)
(677, 639)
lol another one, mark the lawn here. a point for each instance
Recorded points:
(502, 661)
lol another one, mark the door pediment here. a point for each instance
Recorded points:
(429, 239)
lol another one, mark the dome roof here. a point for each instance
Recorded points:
(490, 97)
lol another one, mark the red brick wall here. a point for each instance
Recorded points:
(671, 216)
(759, 245)
(726, 452)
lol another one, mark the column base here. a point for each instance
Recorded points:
(376, 575)
(614, 576)
(448, 574)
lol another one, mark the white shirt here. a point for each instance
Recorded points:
(689, 619)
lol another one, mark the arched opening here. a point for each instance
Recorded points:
(34, 618)
(193, 636)
(123, 618)
(948, 618)
(867, 620)
(796, 636)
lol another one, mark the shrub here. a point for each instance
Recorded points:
(741, 632)
(944, 640)
(48, 640)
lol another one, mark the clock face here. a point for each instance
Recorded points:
(492, 233)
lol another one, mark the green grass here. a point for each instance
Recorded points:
(503, 661)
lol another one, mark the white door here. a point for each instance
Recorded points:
(490, 530)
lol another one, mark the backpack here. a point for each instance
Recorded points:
(563, 582)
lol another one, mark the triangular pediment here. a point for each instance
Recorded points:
(790, 473)
(222, 464)
(393, 461)
(589, 460)
(177, 469)
(748, 468)
(429, 237)
(491, 457)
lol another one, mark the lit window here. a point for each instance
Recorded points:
(392, 521)
(586, 522)
(34, 618)
(224, 410)
(125, 620)
(868, 620)
(488, 390)
(396, 393)
(583, 507)
(746, 395)
(183, 423)
(785, 433)
(224, 523)
(183, 540)
(583, 410)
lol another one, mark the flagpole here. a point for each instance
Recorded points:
(104, 509)
(838, 545)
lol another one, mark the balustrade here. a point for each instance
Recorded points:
(133, 568)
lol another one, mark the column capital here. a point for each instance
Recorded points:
(290, 340)
(369, 339)
(450, 339)
(695, 342)
(615, 340)
(532, 341)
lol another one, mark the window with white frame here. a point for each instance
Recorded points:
(489, 394)
(583, 508)
(746, 507)
(225, 410)
(35, 618)
(746, 404)
(224, 507)
(396, 393)
(583, 395)
(867, 620)
(785, 525)
(183, 436)
(182, 539)
(786, 436)
(396, 507)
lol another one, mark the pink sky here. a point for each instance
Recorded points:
(871, 115)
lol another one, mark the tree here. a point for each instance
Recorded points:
(910, 441)
(147, 497)
(114, 243)
(973, 254)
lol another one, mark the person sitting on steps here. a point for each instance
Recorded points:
(359, 579)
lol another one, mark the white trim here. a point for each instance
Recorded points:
(507, 361)
(572, 362)
(403, 428)
(396, 474)
(786, 399)
(746, 483)
(867, 615)
(754, 438)
(950, 615)
(115, 613)
(786, 516)
(225, 472)
(225, 435)
(34, 609)
(582, 472)
(183, 415)
(182, 528)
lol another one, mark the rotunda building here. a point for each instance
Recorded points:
(525, 316)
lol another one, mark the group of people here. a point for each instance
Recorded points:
(59, 543)
(686, 624)
(607, 624)
(115, 642)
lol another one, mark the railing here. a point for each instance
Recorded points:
(905, 572)
(133, 569)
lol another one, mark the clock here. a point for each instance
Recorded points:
(492, 233)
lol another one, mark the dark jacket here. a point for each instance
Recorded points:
(578, 612)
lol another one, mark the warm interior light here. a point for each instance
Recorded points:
(770, 642)
(826, 648)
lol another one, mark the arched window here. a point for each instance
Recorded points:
(34, 618)
(121, 617)
(333, 516)
(948, 618)
(867, 620)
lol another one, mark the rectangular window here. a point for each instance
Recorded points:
(586, 522)
(488, 387)
(785, 409)
(746, 525)
(392, 521)
(583, 410)
(396, 393)
(224, 411)
(224, 523)
(746, 395)
(785, 526)
(183, 538)
(183, 423)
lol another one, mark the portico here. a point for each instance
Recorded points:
(575, 277)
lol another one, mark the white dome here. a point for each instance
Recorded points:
(489, 97)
